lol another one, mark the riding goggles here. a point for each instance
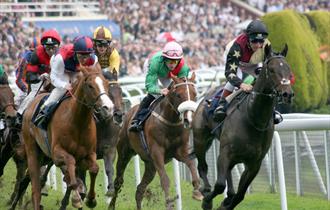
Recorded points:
(172, 61)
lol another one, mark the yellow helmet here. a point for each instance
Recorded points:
(101, 33)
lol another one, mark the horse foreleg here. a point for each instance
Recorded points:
(22, 185)
(223, 170)
(247, 177)
(124, 156)
(93, 169)
(158, 158)
(20, 168)
(109, 157)
(148, 176)
(183, 156)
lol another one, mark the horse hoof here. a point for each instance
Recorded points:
(91, 203)
(207, 205)
(76, 200)
(197, 195)
(110, 193)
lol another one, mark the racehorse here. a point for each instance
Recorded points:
(70, 141)
(248, 129)
(107, 137)
(10, 143)
(163, 138)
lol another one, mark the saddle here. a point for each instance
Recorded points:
(145, 113)
(52, 109)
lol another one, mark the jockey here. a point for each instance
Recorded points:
(248, 47)
(107, 55)
(64, 67)
(21, 68)
(161, 66)
(38, 68)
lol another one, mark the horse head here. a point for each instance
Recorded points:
(96, 88)
(183, 95)
(7, 104)
(115, 94)
(277, 71)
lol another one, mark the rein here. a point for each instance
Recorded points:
(91, 105)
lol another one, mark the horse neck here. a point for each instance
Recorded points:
(168, 111)
(262, 100)
(80, 111)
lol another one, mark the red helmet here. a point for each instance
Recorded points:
(50, 37)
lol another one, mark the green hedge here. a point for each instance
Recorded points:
(311, 87)
(321, 22)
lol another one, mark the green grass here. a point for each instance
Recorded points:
(155, 198)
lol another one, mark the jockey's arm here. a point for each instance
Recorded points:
(114, 61)
(57, 74)
(232, 64)
(151, 83)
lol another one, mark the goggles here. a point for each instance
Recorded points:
(257, 41)
(83, 55)
(51, 47)
(102, 44)
(173, 53)
(172, 61)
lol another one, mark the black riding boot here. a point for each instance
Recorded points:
(41, 119)
(277, 117)
(144, 105)
(220, 112)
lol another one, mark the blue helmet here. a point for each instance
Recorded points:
(83, 44)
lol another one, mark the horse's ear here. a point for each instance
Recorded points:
(115, 74)
(285, 50)
(193, 76)
(268, 50)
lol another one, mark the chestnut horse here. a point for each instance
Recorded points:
(165, 138)
(71, 135)
(247, 130)
(107, 136)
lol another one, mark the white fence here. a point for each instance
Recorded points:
(301, 137)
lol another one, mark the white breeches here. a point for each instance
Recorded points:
(55, 95)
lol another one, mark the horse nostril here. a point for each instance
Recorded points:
(285, 94)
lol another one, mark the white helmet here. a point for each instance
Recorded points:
(172, 50)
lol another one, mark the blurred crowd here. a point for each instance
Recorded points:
(203, 27)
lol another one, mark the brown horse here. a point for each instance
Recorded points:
(71, 133)
(165, 138)
(107, 137)
(248, 129)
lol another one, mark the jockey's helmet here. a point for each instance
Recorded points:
(50, 37)
(172, 50)
(34, 43)
(102, 35)
(257, 30)
(83, 45)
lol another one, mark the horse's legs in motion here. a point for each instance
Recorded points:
(182, 154)
(201, 146)
(22, 185)
(223, 164)
(124, 156)
(109, 157)
(20, 168)
(93, 169)
(247, 177)
(158, 158)
(148, 176)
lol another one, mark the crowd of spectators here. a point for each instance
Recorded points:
(203, 27)
(298, 5)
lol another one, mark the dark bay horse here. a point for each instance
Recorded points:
(165, 138)
(248, 129)
(71, 133)
(10, 145)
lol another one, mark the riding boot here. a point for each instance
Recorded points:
(136, 124)
(277, 117)
(220, 112)
(41, 119)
